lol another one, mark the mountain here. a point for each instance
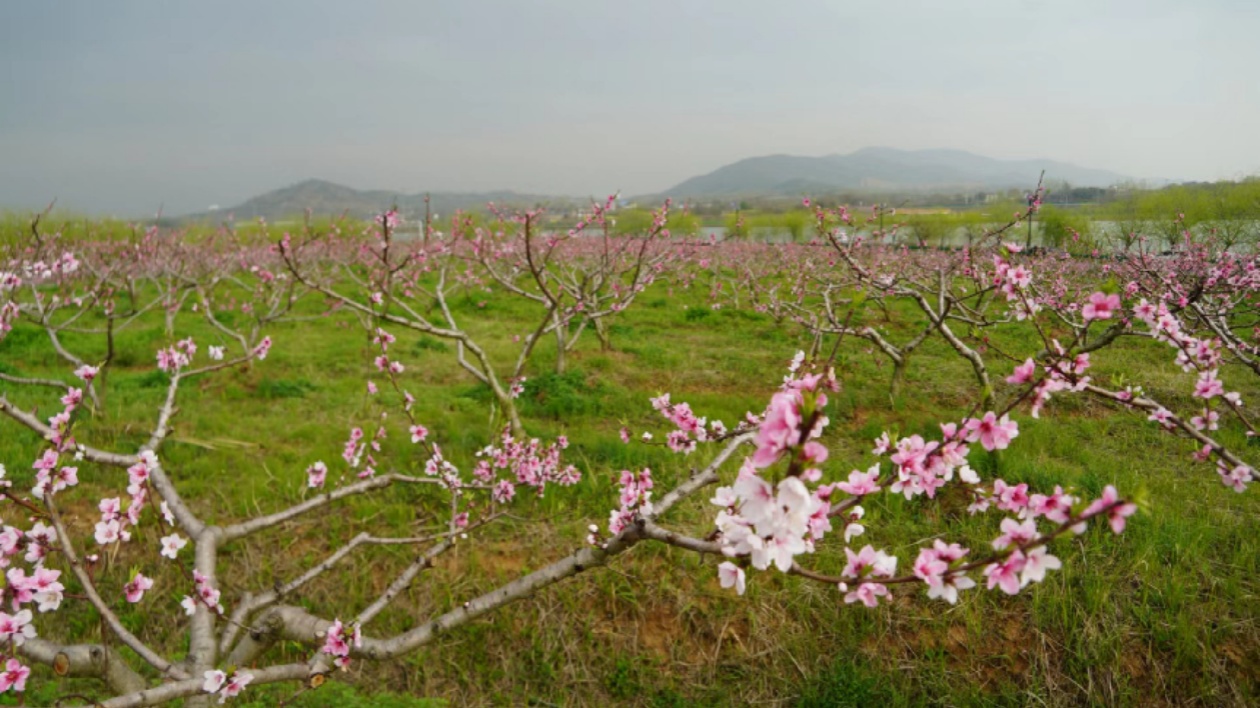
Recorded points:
(324, 198)
(881, 169)
(867, 170)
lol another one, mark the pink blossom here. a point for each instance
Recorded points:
(1163, 416)
(1237, 478)
(1023, 373)
(503, 492)
(1036, 562)
(1012, 498)
(260, 351)
(797, 360)
(1056, 507)
(16, 628)
(135, 589)
(110, 508)
(814, 452)
(1015, 533)
(48, 592)
(861, 484)
(1203, 454)
(1020, 276)
(390, 219)
(14, 676)
(882, 444)
(47, 461)
(172, 544)
(19, 585)
(1100, 306)
(932, 566)
(679, 441)
(335, 644)
(1118, 513)
(867, 593)
(206, 593)
(1208, 420)
(854, 528)
(214, 680)
(757, 496)
(991, 432)
(108, 532)
(869, 561)
(731, 576)
(929, 567)
(725, 497)
(10, 537)
(1208, 386)
(1005, 574)
(315, 475)
(779, 429)
(948, 589)
(780, 550)
(73, 397)
(1146, 311)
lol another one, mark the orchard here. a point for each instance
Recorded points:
(495, 459)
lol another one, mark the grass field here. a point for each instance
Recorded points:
(1166, 613)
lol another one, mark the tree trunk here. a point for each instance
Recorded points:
(562, 342)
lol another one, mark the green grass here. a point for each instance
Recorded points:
(1166, 612)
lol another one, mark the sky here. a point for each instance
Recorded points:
(126, 107)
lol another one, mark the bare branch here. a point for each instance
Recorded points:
(87, 661)
(89, 589)
(244, 528)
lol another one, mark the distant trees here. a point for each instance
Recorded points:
(1226, 212)
(929, 229)
(1064, 228)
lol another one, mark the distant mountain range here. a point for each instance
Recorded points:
(324, 198)
(870, 170)
(880, 169)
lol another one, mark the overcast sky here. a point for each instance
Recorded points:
(119, 107)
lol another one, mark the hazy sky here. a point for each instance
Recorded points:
(120, 107)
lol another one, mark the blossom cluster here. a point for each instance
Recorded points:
(1204, 356)
(114, 523)
(176, 357)
(768, 523)
(37, 585)
(690, 428)
(337, 644)
(635, 497)
(762, 522)
(530, 463)
(204, 593)
(1061, 374)
(1015, 282)
(224, 686)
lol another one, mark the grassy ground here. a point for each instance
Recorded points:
(1164, 614)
